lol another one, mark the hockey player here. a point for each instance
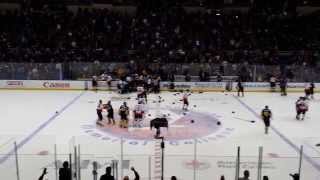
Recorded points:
(94, 83)
(124, 112)
(302, 108)
(142, 95)
(185, 101)
(99, 111)
(149, 84)
(312, 86)
(240, 87)
(156, 85)
(109, 80)
(266, 115)
(273, 81)
(103, 77)
(309, 90)
(283, 86)
(110, 111)
(138, 112)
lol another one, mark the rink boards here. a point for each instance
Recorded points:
(194, 86)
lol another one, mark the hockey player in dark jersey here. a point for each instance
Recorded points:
(266, 115)
(124, 112)
(156, 84)
(240, 87)
(110, 111)
(283, 86)
(94, 83)
(309, 90)
(312, 86)
(301, 108)
(99, 110)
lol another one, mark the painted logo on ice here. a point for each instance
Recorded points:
(183, 128)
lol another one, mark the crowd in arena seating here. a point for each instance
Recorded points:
(162, 35)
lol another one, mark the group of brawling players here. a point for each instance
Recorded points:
(129, 83)
(124, 111)
(138, 111)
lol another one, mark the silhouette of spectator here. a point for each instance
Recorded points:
(136, 175)
(295, 176)
(246, 175)
(44, 172)
(65, 172)
(107, 175)
(222, 177)
(265, 178)
(173, 178)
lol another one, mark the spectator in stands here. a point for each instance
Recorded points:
(148, 35)
(246, 175)
(136, 175)
(295, 176)
(44, 172)
(65, 172)
(107, 175)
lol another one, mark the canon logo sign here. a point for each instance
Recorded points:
(14, 83)
(56, 85)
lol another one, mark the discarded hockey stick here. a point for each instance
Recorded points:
(251, 121)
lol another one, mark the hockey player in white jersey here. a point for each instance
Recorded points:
(141, 95)
(301, 108)
(138, 112)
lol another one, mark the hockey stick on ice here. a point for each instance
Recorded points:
(251, 121)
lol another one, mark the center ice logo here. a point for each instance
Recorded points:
(184, 127)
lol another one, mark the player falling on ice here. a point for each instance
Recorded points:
(185, 101)
(301, 108)
(138, 112)
(266, 116)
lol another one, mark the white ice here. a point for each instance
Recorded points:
(24, 113)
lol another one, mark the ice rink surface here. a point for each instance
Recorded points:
(37, 120)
